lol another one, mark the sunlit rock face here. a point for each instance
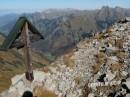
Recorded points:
(61, 77)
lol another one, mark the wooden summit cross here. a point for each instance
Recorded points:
(22, 34)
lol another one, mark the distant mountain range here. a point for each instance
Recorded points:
(63, 28)
(5, 22)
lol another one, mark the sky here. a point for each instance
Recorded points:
(20, 6)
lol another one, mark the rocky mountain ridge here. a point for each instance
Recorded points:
(99, 67)
(64, 28)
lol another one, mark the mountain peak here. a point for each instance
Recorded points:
(96, 64)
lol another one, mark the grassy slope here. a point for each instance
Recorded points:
(12, 63)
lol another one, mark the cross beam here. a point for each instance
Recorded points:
(27, 52)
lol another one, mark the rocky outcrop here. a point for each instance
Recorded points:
(63, 80)
(113, 72)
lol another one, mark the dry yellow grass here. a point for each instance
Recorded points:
(111, 41)
(7, 55)
(69, 60)
(77, 80)
(109, 30)
(5, 78)
(100, 59)
(96, 68)
(119, 43)
(8, 70)
(122, 54)
(12, 63)
(116, 67)
(42, 92)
